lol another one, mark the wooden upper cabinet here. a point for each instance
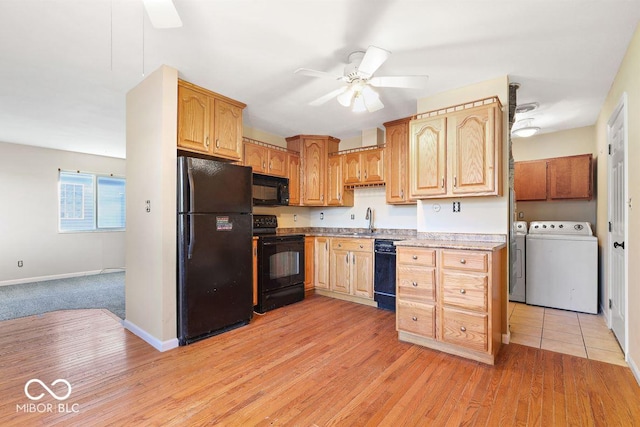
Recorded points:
(337, 195)
(314, 151)
(530, 180)
(293, 165)
(570, 177)
(396, 162)
(193, 120)
(209, 123)
(277, 163)
(559, 178)
(428, 151)
(364, 167)
(256, 156)
(457, 154)
(474, 135)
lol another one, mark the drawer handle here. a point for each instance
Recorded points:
(463, 261)
(463, 329)
(361, 246)
(414, 318)
(414, 284)
(462, 291)
(415, 257)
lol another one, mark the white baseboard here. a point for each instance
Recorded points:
(150, 339)
(50, 277)
(506, 338)
(634, 368)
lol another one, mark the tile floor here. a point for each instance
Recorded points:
(578, 334)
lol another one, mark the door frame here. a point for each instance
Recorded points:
(621, 108)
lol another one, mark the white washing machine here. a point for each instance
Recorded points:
(517, 289)
(562, 266)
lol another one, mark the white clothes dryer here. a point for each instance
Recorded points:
(518, 286)
(562, 266)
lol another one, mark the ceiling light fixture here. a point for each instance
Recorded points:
(527, 108)
(524, 129)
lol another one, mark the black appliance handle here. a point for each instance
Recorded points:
(190, 237)
(616, 245)
(282, 242)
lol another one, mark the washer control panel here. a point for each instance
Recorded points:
(560, 227)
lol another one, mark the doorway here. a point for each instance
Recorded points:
(617, 258)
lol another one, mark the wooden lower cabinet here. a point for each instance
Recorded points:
(451, 300)
(309, 260)
(321, 264)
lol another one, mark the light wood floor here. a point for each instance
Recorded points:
(319, 362)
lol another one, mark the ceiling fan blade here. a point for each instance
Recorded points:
(327, 97)
(162, 13)
(409, 82)
(316, 73)
(373, 59)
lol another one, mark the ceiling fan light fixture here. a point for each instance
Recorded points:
(359, 105)
(346, 97)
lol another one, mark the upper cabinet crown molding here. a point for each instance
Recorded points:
(558, 178)
(209, 123)
(456, 151)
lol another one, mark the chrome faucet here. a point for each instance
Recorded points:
(369, 216)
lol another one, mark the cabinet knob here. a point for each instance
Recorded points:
(455, 181)
(463, 329)
(339, 245)
(415, 257)
(462, 291)
(414, 318)
(206, 142)
(463, 261)
(217, 143)
(361, 246)
(415, 284)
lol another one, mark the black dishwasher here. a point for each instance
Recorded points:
(384, 278)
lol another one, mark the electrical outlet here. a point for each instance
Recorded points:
(520, 215)
(321, 215)
(20, 263)
(353, 216)
(295, 217)
(456, 206)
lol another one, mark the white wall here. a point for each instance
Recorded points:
(477, 214)
(29, 217)
(150, 281)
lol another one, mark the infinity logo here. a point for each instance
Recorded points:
(55, 396)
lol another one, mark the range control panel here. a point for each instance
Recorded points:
(263, 224)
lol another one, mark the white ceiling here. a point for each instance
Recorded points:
(66, 65)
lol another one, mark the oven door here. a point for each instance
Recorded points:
(281, 262)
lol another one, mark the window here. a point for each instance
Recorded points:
(90, 202)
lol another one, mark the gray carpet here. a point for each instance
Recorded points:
(96, 291)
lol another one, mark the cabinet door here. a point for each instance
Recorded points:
(314, 172)
(277, 163)
(256, 157)
(427, 153)
(294, 179)
(570, 177)
(530, 180)
(321, 264)
(396, 163)
(473, 139)
(193, 120)
(335, 185)
(340, 266)
(227, 125)
(351, 168)
(362, 277)
(372, 165)
(309, 260)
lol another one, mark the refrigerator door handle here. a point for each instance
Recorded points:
(191, 238)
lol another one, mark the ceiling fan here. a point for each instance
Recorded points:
(162, 13)
(358, 76)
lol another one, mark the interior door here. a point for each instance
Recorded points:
(617, 221)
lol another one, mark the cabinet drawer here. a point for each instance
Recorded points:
(466, 260)
(353, 245)
(465, 329)
(416, 283)
(416, 318)
(464, 290)
(416, 256)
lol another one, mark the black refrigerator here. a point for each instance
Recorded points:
(215, 283)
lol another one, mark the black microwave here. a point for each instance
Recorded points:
(270, 190)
